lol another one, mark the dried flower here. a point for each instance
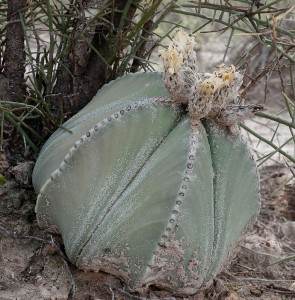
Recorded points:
(206, 96)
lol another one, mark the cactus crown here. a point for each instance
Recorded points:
(213, 96)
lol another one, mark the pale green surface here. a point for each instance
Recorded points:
(198, 212)
(236, 190)
(140, 215)
(100, 169)
(113, 97)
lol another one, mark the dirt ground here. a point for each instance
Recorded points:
(33, 264)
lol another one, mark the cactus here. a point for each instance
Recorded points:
(141, 186)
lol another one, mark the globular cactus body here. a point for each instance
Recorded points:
(140, 187)
(134, 192)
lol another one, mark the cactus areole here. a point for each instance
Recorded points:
(152, 181)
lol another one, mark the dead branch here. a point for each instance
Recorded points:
(14, 56)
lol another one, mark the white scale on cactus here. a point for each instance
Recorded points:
(154, 184)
